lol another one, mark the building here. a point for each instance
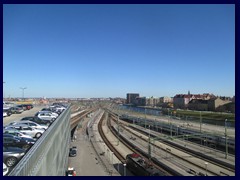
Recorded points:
(214, 103)
(166, 99)
(182, 100)
(152, 101)
(198, 104)
(140, 101)
(131, 98)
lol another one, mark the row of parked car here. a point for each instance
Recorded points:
(16, 109)
(20, 136)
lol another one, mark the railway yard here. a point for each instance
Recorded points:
(109, 141)
(135, 144)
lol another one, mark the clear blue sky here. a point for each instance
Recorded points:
(110, 50)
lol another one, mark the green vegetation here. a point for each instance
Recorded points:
(205, 114)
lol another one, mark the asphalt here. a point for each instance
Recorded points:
(86, 163)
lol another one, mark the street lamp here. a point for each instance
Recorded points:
(124, 169)
(112, 157)
(206, 163)
(23, 88)
(171, 128)
(177, 130)
(3, 92)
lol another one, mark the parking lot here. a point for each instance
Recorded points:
(17, 117)
(21, 134)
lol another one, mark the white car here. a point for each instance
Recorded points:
(5, 169)
(35, 133)
(53, 113)
(5, 114)
(30, 123)
(46, 116)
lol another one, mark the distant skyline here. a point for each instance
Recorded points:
(84, 50)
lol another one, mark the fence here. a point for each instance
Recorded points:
(49, 155)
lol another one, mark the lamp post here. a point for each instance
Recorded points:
(200, 121)
(177, 130)
(206, 163)
(226, 143)
(124, 165)
(23, 88)
(112, 157)
(171, 128)
(4, 92)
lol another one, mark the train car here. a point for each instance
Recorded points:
(137, 165)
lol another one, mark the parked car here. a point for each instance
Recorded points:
(5, 169)
(37, 120)
(35, 133)
(58, 108)
(46, 116)
(14, 141)
(8, 111)
(30, 123)
(16, 110)
(27, 106)
(73, 151)
(30, 106)
(11, 155)
(16, 133)
(52, 113)
(22, 106)
(51, 110)
(5, 114)
(71, 171)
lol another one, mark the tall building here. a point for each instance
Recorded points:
(131, 97)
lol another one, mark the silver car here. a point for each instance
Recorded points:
(27, 129)
(46, 116)
(30, 123)
(11, 155)
(16, 133)
(52, 113)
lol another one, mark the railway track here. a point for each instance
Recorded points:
(165, 170)
(230, 168)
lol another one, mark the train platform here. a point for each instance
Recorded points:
(86, 162)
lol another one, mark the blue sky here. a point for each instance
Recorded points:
(110, 50)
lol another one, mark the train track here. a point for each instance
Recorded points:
(229, 167)
(108, 143)
(165, 170)
(223, 164)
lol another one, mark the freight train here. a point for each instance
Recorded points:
(140, 167)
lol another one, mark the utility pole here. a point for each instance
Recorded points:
(226, 143)
(145, 118)
(149, 144)
(118, 129)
